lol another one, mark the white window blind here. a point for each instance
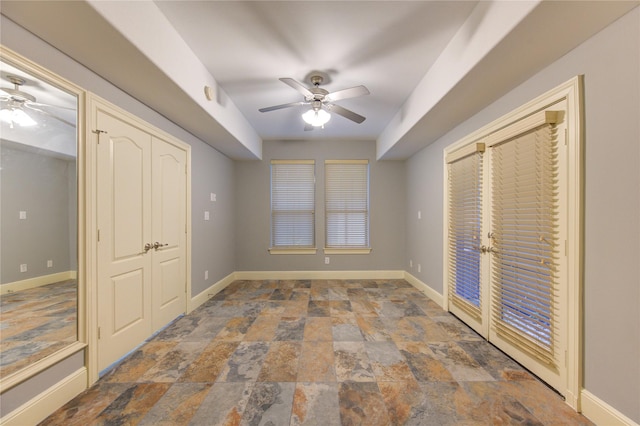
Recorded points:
(347, 204)
(524, 211)
(465, 228)
(292, 204)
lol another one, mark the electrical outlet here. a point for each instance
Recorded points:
(23, 215)
(419, 214)
(326, 260)
(49, 263)
(206, 215)
(213, 197)
(206, 275)
(419, 268)
(23, 267)
(410, 263)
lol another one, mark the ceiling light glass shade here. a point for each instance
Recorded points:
(316, 118)
(16, 116)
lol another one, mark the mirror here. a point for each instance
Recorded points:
(38, 217)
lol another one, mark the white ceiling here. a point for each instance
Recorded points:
(386, 46)
(429, 65)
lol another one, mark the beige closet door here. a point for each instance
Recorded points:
(124, 266)
(169, 232)
(142, 200)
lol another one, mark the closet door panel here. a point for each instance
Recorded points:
(169, 230)
(124, 267)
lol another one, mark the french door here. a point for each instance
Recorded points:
(507, 222)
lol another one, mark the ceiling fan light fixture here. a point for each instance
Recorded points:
(316, 117)
(17, 116)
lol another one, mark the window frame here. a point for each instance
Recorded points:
(292, 249)
(356, 249)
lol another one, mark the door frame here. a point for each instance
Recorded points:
(572, 92)
(92, 105)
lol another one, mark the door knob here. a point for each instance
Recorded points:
(485, 249)
(148, 247)
(157, 245)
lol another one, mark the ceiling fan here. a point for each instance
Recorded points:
(15, 102)
(321, 101)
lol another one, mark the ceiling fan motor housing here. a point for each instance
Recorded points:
(16, 93)
(318, 94)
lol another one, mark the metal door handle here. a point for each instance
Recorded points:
(485, 249)
(157, 245)
(148, 247)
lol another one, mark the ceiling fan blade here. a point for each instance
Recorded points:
(347, 93)
(51, 115)
(275, 107)
(345, 113)
(52, 106)
(299, 87)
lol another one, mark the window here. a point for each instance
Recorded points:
(292, 206)
(347, 206)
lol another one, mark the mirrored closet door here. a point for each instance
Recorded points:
(38, 216)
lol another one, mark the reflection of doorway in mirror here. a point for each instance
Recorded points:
(38, 218)
(26, 337)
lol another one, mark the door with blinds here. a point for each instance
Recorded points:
(465, 195)
(507, 222)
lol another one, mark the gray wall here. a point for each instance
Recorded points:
(387, 201)
(610, 63)
(213, 240)
(213, 243)
(36, 182)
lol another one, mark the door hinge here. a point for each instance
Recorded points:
(98, 235)
(566, 248)
(566, 138)
(97, 132)
(99, 334)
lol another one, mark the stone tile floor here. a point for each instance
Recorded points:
(317, 352)
(35, 323)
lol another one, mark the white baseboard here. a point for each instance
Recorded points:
(37, 409)
(318, 275)
(428, 291)
(37, 282)
(602, 413)
(208, 293)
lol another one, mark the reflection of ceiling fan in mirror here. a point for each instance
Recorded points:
(321, 101)
(17, 106)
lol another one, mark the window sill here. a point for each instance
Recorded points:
(292, 250)
(364, 250)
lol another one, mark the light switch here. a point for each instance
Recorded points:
(419, 268)
(23, 267)
(49, 263)
(206, 275)
(23, 215)
(206, 215)
(419, 214)
(213, 197)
